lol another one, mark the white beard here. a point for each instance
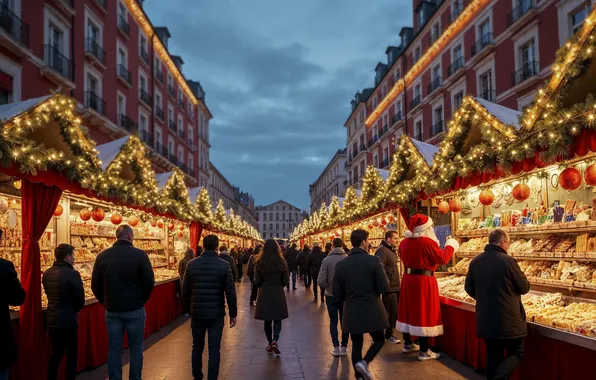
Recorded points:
(430, 233)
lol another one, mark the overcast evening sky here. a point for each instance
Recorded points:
(279, 76)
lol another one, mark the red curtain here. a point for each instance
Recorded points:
(196, 229)
(38, 205)
(405, 213)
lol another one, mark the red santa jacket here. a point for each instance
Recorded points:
(424, 253)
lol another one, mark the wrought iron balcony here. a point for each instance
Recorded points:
(14, 25)
(437, 128)
(159, 75)
(127, 123)
(396, 118)
(123, 25)
(524, 7)
(173, 159)
(419, 137)
(415, 102)
(183, 166)
(171, 91)
(173, 126)
(362, 148)
(95, 102)
(385, 163)
(144, 55)
(146, 137)
(373, 140)
(526, 72)
(490, 95)
(145, 97)
(159, 112)
(161, 149)
(93, 48)
(181, 132)
(191, 173)
(124, 74)
(483, 42)
(455, 65)
(58, 62)
(383, 130)
(436, 83)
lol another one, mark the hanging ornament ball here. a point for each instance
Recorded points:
(371, 226)
(133, 220)
(570, 179)
(455, 205)
(160, 223)
(590, 175)
(181, 227)
(153, 222)
(85, 214)
(116, 219)
(171, 226)
(486, 197)
(521, 192)
(383, 221)
(180, 234)
(98, 215)
(391, 218)
(59, 210)
(443, 207)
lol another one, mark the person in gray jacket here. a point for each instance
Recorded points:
(334, 306)
(388, 256)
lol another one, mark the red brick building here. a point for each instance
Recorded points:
(108, 55)
(498, 50)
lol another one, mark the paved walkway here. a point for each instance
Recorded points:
(305, 345)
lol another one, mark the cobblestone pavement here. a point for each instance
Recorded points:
(305, 344)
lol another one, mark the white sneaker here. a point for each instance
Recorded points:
(344, 351)
(410, 348)
(362, 368)
(392, 340)
(336, 351)
(428, 355)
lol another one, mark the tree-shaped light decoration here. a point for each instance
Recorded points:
(334, 212)
(323, 216)
(204, 206)
(220, 214)
(372, 191)
(350, 205)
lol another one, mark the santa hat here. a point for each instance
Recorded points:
(418, 223)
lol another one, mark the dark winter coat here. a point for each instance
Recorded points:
(497, 283)
(271, 299)
(225, 255)
(388, 258)
(11, 294)
(250, 268)
(359, 281)
(66, 295)
(315, 260)
(246, 256)
(182, 265)
(122, 277)
(291, 255)
(207, 281)
(301, 260)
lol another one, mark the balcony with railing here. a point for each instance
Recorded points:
(437, 128)
(483, 42)
(385, 163)
(527, 71)
(127, 123)
(181, 132)
(173, 159)
(161, 149)
(93, 50)
(173, 126)
(373, 140)
(383, 130)
(123, 26)
(159, 112)
(144, 54)
(524, 8)
(171, 91)
(124, 75)
(159, 75)
(415, 102)
(58, 62)
(13, 25)
(183, 166)
(95, 103)
(146, 137)
(419, 136)
(455, 65)
(191, 173)
(434, 84)
(145, 97)
(362, 148)
(490, 95)
(396, 118)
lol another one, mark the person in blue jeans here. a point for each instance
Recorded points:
(122, 281)
(334, 305)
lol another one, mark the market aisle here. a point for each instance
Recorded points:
(305, 346)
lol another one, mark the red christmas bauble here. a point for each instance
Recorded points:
(392, 218)
(486, 197)
(521, 192)
(455, 205)
(570, 179)
(180, 234)
(171, 226)
(370, 226)
(181, 227)
(133, 220)
(85, 214)
(444, 207)
(590, 175)
(98, 215)
(160, 224)
(116, 219)
(153, 222)
(59, 210)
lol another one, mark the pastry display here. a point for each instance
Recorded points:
(461, 266)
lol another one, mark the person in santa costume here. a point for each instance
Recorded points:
(419, 312)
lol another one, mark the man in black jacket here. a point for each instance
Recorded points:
(225, 255)
(291, 255)
(122, 282)
(207, 280)
(388, 256)
(314, 261)
(66, 297)
(11, 294)
(358, 282)
(497, 283)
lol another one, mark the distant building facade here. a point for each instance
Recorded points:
(278, 219)
(332, 181)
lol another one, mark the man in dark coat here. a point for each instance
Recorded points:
(359, 281)
(497, 283)
(208, 284)
(11, 294)
(236, 255)
(122, 282)
(188, 255)
(301, 263)
(291, 255)
(225, 255)
(314, 261)
(387, 255)
(66, 297)
(250, 273)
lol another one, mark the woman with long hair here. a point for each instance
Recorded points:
(271, 277)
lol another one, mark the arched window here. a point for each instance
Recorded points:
(277, 216)
(283, 216)
(270, 216)
(265, 227)
(265, 216)
(271, 226)
(277, 226)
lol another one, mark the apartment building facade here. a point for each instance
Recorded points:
(116, 64)
(278, 219)
(331, 182)
(498, 50)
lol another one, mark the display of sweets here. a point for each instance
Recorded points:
(462, 266)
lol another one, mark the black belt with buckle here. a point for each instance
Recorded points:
(419, 272)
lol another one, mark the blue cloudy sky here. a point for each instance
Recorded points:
(279, 76)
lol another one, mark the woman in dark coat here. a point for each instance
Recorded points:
(271, 277)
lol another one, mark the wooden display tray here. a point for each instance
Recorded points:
(554, 228)
(113, 237)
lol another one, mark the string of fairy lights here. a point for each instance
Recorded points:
(81, 165)
(549, 128)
